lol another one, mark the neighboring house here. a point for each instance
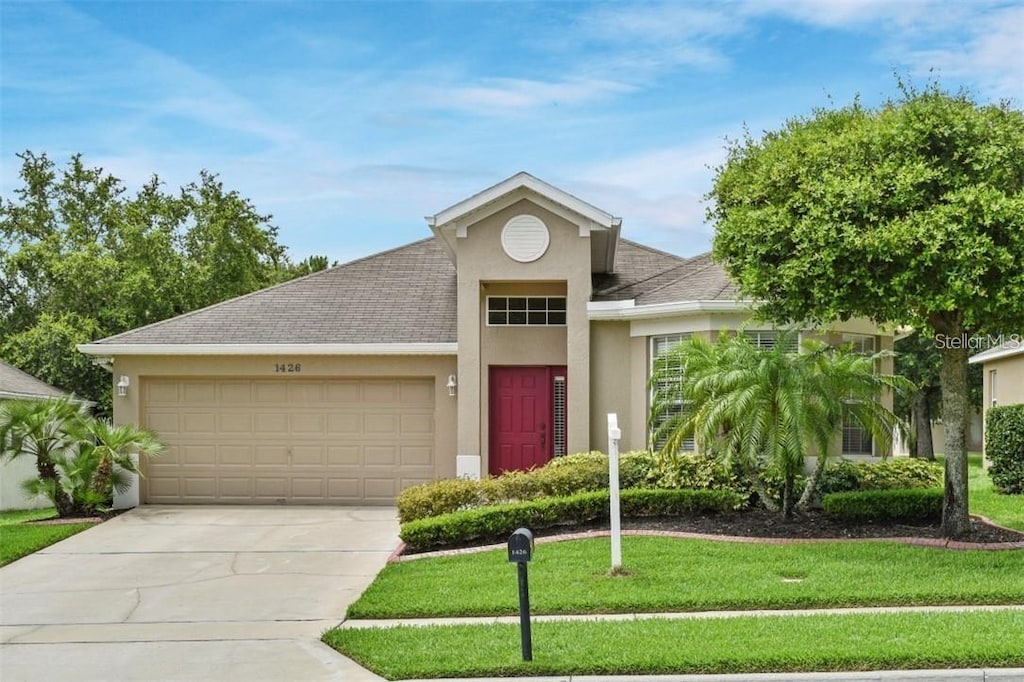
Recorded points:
(501, 341)
(1002, 370)
(17, 385)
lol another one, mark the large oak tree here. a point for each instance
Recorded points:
(82, 258)
(911, 213)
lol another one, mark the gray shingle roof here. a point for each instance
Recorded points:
(406, 295)
(17, 384)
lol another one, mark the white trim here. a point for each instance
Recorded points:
(1006, 350)
(113, 349)
(601, 311)
(523, 179)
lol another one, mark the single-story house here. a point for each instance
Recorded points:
(497, 343)
(1002, 368)
(18, 385)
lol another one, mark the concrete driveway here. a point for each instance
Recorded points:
(193, 593)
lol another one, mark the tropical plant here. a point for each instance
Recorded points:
(81, 460)
(49, 431)
(121, 446)
(757, 409)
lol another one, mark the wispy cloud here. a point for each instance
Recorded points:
(504, 96)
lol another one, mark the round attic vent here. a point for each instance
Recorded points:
(525, 238)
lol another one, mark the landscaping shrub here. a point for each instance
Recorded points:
(905, 504)
(697, 471)
(1004, 447)
(899, 472)
(498, 521)
(561, 477)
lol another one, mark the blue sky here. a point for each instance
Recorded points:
(351, 121)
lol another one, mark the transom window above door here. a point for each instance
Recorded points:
(526, 311)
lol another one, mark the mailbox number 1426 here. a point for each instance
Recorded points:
(290, 367)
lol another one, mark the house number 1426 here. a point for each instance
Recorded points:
(289, 367)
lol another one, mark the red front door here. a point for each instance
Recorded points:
(521, 419)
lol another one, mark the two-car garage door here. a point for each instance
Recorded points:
(301, 441)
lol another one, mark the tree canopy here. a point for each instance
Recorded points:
(82, 258)
(910, 214)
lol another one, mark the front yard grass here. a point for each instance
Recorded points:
(717, 645)
(1006, 510)
(19, 538)
(671, 574)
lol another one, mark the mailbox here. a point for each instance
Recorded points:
(520, 546)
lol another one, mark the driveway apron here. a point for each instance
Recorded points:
(193, 593)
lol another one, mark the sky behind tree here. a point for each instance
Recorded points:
(350, 121)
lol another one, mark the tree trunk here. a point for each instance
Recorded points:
(923, 446)
(48, 472)
(811, 488)
(953, 377)
(787, 497)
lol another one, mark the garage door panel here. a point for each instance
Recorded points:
(417, 455)
(234, 392)
(280, 440)
(307, 424)
(199, 423)
(344, 455)
(375, 422)
(234, 455)
(417, 424)
(271, 422)
(199, 393)
(308, 455)
(380, 455)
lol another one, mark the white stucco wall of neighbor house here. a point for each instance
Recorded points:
(12, 475)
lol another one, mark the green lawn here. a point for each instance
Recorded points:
(670, 574)
(1006, 510)
(18, 538)
(720, 645)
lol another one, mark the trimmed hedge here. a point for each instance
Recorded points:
(562, 476)
(913, 504)
(842, 475)
(497, 522)
(1004, 447)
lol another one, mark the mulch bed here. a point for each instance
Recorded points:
(758, 523)
(769, 526)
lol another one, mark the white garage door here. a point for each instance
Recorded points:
(251, 441)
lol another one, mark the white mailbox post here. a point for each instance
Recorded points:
(614, 435)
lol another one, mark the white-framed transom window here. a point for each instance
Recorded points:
(660, 345)
(767, 339)
(860, 343)
(526, 311)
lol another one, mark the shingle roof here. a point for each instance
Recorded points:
(17, 384)
(406, 295)
(649, 276)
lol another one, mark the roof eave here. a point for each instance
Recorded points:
(628, 310)
(121, 349)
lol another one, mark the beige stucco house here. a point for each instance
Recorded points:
(1002, 369)
(500, 341)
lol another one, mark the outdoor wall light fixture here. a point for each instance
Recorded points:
(122, 385)
(451, 384)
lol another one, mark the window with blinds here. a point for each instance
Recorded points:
(660, 345)
(767, 340)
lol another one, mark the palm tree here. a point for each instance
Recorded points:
(757, 408)
(49, 430)
(115, 445)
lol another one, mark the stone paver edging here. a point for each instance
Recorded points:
(940, 543)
